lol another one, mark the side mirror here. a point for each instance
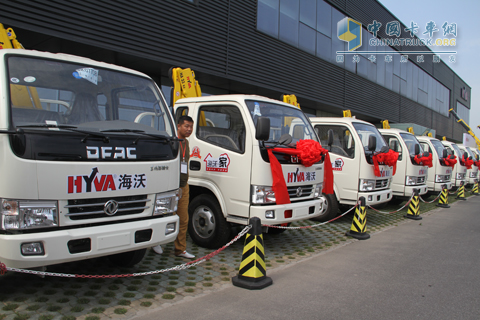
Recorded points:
(417, 149)
(394, 145)
(476, 157)
(469, 158)
(445, 153)
(372, 143)
(465, 155)
(330, 138)
(262, 129)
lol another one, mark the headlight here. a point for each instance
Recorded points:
(440, 178)
(473, 174)
(166, 203)
(410, 181)
(366, 185)
(318, 190)
(262, 195)
(460, 176)
(28, 214)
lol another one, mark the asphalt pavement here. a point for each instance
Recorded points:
(425, 269)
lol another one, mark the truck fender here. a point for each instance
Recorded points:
(200, 184)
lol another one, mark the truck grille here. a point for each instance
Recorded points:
(421, 180)
(83, 209)
(381, 184)
(299, 192)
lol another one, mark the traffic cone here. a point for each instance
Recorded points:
(443, 200)
(475, 188)
(359, 223)
(253, 273)
(461, 191)
(414, 207)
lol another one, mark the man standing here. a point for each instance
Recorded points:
(184, 130)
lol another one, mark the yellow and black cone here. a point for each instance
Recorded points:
(414, 207)
(359, 224)
(461, 192)
(443, 200)
(475, 188)
(252, 273)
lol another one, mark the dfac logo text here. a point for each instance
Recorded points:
(350, 31)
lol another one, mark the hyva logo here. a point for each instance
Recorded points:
(350, 31)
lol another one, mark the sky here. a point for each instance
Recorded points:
(465, 13)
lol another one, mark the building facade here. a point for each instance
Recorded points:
(265, 47)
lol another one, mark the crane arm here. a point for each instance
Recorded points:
(466, 126)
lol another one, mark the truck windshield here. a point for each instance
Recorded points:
(458, 152)
(411, 142)
(283, 120)
(364, 131)
(439, 147)
(470, 153)
(56, 93)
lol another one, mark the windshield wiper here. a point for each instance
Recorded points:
(69, 128)
(141, 132)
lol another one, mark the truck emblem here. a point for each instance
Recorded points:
(294, 159)
(299, 192)
(110, 207)
(110, 153)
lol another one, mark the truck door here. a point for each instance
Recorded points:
(398, 180)
(345, 161)
(221, 152)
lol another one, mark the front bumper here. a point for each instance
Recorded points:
(376, 197)
(104, 240)
(301, 210)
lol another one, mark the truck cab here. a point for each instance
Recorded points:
(472, 169)
(410, 175)
(90, 163)
(230, 172)
(351, 152)
(440, 173)
(459, 173)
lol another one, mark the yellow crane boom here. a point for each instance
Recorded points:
(466, 126)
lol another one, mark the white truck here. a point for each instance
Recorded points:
(230, 174)
(459, 173)
(89, 161)
(440, 173)
(410, 175)
(472, 168)
(354, 144)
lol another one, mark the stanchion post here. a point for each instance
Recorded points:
(443, 200)
(359, 224)
(461, 191)
(414, 207)
(252, 273)
(475, 188)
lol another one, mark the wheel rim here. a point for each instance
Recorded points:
(203, 222)
(325, 204)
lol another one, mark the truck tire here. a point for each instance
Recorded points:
(206, 225)
(127, 259)
(332, 208)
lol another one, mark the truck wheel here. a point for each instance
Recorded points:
(127, 259)
(207, 225)
(330, 208)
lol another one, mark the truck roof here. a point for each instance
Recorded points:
(69, 58)
(232, 97)
(420, 138)
(336, 120)
(393, 130)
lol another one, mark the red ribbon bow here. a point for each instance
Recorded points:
(450, 160)
(426, 161)
(308, 152)
(389, 158)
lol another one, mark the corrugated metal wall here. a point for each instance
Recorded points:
(219, 40)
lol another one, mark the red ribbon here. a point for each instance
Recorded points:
(426, 161)
(450, 160)
(308, 152)
(389, 158)
(477, 163)
(466, 162)
(3, 268)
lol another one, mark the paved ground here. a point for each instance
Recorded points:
(31, 297)
(425, 269)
